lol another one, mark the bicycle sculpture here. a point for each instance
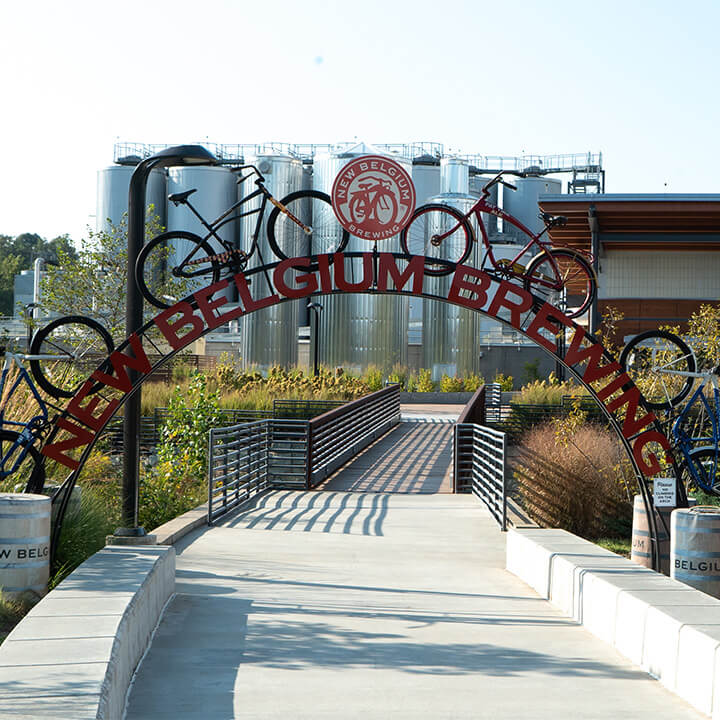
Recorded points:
(302, 223)
(664, 367)
(62, 355)
(561, 276)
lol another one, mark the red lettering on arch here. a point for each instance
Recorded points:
(651, 466)
(501, 300)
(171, 329)
(120, 361)
(388, 267)
(80, 437)
(307, 282)
(593, 354)
(478, 290)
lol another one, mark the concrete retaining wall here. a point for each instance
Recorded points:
(667, 628)
(74, 653)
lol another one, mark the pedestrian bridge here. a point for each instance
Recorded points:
(379, 594)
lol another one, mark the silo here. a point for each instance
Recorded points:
(426, 179)
(449, 331)
(113, 185)
(269, 336)
(216, 192)
(523, 202)
(359, 330)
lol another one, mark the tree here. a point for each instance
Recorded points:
(93, 281)
(19, 253)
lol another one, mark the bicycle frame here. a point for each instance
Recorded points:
(685, 442)
(27, 435)
(231, 216)
(512, 268)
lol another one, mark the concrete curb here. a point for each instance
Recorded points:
(664, 626)
(74, 653)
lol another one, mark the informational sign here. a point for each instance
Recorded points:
(664, 492)
(373, 197)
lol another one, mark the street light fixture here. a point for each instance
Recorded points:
(316, 308)
(172, 156)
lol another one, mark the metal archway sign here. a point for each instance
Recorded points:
(78, 427)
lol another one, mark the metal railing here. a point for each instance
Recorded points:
(479, 467)
(247, 458)
(515, 419)
(339, 434)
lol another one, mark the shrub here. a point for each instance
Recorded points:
(504, 381)
(177, 483)
(576, 477)
(473, 382)
(373, 378)
(425, 383)
(450, 384)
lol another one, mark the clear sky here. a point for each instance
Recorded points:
(636, 80)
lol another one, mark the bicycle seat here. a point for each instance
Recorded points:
(180, 198)
(553, 220)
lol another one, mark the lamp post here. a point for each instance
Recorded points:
(316, 308)
(173, 156)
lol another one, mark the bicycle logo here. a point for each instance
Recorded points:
(373, 197)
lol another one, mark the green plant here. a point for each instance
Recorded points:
(373, 378)
(177, 482)
(399, 375)
(531, 371)
(425, 383)
(505, 381)
(12, 611)
(473, 382)
(450, 384)
(86, 526)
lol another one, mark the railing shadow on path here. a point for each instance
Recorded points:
(313, 511)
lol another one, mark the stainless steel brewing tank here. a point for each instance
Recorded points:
(357, 330)
(113, 185)
(216, 192)
(449, 331)
(426, 179)
(523, 202)
(269, 336)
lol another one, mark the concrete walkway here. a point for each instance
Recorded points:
(356, 605)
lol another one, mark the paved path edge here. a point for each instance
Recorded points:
(75, 652)
(667, 628)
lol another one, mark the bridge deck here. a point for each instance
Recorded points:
(373, 605)
(413, 457)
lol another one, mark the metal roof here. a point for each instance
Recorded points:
(688, 221)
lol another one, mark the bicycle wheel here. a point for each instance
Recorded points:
(420, 237)
(325, 234)
(75, 346)
(649, 359)
(385, 209)
(163, 272)
(704, 464)
(20, 463)
(578, 288)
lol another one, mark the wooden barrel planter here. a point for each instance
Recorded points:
(24, 543)
(641, 551)
(695, 548)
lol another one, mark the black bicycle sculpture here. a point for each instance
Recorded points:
(302, 223)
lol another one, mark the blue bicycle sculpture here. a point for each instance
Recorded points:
(61, 356)
(664, 367)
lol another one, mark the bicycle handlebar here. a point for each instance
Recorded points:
(252, 168)
(498, 179)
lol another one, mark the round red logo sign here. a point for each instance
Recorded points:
(373, 197)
